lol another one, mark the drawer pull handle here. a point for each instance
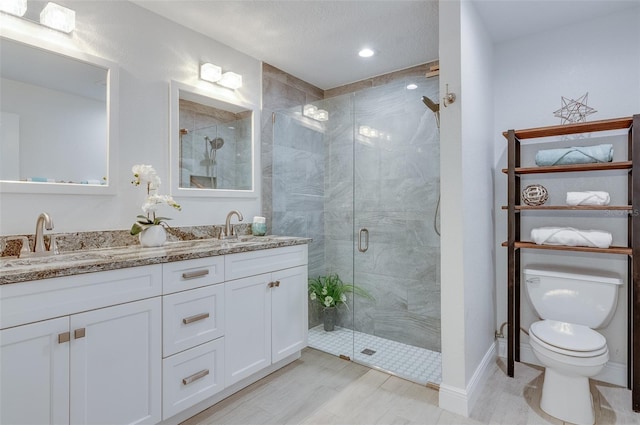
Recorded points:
(79, 333)
(64, 337)
(193, 275)
(195, 318)
(195, 377)
(277, 283)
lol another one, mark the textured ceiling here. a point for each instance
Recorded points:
(316, 41)
(510, 19)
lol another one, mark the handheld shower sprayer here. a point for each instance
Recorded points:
(435, 108)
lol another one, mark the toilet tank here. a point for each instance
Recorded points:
(572, 295)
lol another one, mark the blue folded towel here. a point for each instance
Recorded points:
(575, 155)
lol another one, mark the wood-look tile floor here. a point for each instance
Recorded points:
(320, 388)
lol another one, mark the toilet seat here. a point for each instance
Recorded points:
(568, 339)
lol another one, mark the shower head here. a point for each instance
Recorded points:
(435, 107)
(216, 143)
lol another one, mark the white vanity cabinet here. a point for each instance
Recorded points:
(266, 309)
(89, 363)
(149, 344)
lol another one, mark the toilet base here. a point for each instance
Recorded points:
(567, 398)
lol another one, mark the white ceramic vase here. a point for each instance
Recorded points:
(153, 236)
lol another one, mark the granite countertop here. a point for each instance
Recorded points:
(14, 270)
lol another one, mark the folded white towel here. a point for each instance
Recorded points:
(571, 237)
(589, 197)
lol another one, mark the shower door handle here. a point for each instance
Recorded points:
(364, 231)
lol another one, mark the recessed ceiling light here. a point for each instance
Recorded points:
(412, 86)
(366, 53)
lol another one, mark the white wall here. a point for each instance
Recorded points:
(467, 286)
(602, 57)
(477, 175)
(150, 51)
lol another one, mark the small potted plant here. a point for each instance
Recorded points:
(151, 228)
(330, 292)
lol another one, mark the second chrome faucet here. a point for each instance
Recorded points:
(228, 228)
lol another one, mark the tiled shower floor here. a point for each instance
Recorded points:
(406, 361)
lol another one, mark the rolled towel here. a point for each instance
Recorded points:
(589, 197)
(575, 155)
(571, 237)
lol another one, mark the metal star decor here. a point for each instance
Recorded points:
(574, 110)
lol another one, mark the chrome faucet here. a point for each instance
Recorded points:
(44, 220)
(228, 229)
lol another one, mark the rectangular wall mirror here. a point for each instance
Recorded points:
(57, 125)
(212, 145)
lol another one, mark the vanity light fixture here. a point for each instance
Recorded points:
(213, 73)
(58, 17)
(373, 133)
(231, 80)
(14, 7)
(309, 110)
(210, 72)
(321, 115)
(313, 112)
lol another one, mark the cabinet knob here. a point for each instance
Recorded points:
(64, 337)
(79, 333)
(273, 284)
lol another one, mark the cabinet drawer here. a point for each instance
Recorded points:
(192, 317)
(265, 261)
(189, 274)
(27, 302)
(192, 376)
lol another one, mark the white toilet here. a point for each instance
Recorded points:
(571, 304)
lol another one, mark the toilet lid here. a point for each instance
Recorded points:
(568, 336)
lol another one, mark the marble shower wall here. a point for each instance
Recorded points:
(292, 199)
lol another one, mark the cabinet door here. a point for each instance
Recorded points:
(289, 321)
(34, 373)
(247, 327)
(116, 363)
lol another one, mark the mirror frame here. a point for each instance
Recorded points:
(24, 187)
(205, 97)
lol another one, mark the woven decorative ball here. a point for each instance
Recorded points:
(535, 195)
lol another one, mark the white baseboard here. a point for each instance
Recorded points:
(461, 401)
(613, 373)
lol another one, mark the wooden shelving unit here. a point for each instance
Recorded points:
(515, 244)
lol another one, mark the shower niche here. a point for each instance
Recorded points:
(212, 145)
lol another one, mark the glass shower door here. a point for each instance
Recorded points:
(396, 254)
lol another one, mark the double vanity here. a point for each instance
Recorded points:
(147, 335)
